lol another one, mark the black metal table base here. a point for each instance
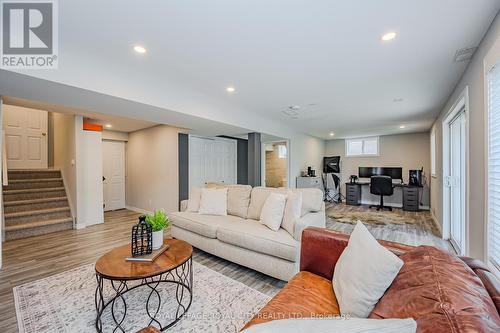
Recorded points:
(182, 276)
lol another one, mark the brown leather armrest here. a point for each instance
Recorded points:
(321, 248)
(149, 329)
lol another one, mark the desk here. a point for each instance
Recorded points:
(411, 195)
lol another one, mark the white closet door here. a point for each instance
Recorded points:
(114, 175)
(26, 137)
(211, 160)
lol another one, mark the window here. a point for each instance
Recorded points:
(361, 146)
(433, 153)
(282, 151)
(493, 231)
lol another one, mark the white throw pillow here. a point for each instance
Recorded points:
(292, 212)
(363, 273)
(213, 201)
(193, 204)
(272, 211)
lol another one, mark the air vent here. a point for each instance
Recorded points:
(464, 54)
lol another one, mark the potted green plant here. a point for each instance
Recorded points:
(158, 221)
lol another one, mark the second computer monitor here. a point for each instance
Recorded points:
(367, 172)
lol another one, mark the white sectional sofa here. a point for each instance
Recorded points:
(241, 238)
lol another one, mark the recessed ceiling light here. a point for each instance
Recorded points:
(139, 49)
(402, 126)
(332, 134)
(230, 89)
(108, 125)
(388, 36)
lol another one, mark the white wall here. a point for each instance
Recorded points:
(305, 151)
(63, 138)
(153, 169)
(474, 79)
(409, 151)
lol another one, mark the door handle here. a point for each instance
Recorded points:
(44, 134)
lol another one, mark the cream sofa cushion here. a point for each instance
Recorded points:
(272, 211)
(312, 200)
(238, 200)
(213, 201)
(253, 235)
(193, 204)
(204, 225)
(258, 198)
(293, 210)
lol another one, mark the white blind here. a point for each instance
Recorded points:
(494, 166)
(362, 146)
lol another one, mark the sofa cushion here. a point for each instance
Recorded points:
(238, 200)
(440, 292)
(363, 273)
(306, 295)
(312, 200)
(258, 198)
(204, 225)
(253, 235)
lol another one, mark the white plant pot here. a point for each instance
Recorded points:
(157, 239)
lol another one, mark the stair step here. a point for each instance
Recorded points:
(37, 228)
(33, 201)
(39, 215)
(35, 204)
(33, 190)
(20, 184)
(37, 224)
(33, 174)
(35, 212)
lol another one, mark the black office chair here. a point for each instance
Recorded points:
(381, 185)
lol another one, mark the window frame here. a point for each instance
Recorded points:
(362, 139)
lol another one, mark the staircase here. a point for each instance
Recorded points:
(35, 203)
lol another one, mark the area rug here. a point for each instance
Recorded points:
(65, 303)
(422, 220)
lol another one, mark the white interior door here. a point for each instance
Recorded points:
(113, 174)
(26, 137)
(211, 160)
(457, 181)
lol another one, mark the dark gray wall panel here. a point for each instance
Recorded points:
(254, 159)
(183, 166)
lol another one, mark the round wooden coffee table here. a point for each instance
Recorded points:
(174, 266)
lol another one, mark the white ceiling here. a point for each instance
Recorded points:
(121, 124)
(325, 56)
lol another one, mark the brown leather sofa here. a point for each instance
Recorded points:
(442, 292)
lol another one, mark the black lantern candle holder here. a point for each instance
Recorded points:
(142, 238)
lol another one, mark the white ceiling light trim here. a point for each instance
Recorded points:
(140, 49)
(389, 36)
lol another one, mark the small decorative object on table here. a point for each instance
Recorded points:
(158, 221)
(142, 238)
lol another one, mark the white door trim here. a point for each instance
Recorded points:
(462, 103)
(263, 162)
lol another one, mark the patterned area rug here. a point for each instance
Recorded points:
(422, 220)
(65, 303)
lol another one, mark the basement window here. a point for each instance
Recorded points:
(362, 147)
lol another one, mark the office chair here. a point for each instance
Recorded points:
(381, 185)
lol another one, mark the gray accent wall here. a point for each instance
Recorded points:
(254, 159)
(183, 166)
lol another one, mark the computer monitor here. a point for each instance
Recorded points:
(367, 172)
(331, 164)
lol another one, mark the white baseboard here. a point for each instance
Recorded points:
(139, 210)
